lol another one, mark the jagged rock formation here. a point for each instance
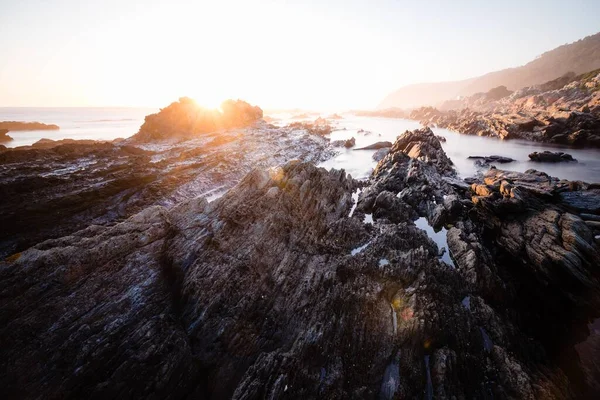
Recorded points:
(280, 289)
(568, 115)
(85, 182)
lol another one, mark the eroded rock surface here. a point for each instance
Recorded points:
(274, 291)
(564, 111)
(56, 188)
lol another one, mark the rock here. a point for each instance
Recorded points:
(344, 143)
(85, 182)
(26, 126)
(273, 291)
(593, 224)
(492, 159)
(185, 119)
(380, 154)
(567, 114)
(548, 156)
(589, 217)
(376, 146)
(4, 137)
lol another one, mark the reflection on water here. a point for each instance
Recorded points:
(438, 237)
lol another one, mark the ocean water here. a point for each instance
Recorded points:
(112, 123)
(75, 123)
(359, 163)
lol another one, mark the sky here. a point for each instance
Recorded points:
(276, 54)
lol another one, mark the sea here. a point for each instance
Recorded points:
(96, 123)
(112, 123)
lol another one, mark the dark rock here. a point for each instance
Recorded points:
(492, 159)
(549, 156)
(589, 217)
(586, 201)
(376, 146)
(55, 188)
(344, 143)
(273, 291)
(380, 154)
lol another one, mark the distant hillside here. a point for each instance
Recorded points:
(577, 57)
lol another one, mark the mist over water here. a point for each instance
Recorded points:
(359, 163)
(112, 123)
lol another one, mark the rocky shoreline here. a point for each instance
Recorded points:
(562, 111)
(298, 282)
(102, 183)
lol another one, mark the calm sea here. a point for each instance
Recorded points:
(75, 123)
(112, 123)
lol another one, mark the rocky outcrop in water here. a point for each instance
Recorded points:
(551, 156)
(492, 159)
(27, 126)
(376, 146)
(567, 115)
(280, 289)
(348, 143)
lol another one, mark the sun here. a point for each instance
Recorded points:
(209, 103)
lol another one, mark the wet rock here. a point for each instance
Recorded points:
(344, 143)
(549, 156)
(380, 154)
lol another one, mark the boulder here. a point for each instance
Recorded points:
(549, 156)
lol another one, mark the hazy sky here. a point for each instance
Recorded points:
(312, 54)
